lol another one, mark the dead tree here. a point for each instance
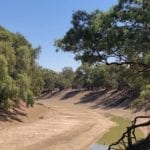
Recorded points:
(128, 138)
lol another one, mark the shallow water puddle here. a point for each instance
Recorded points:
(114, 133)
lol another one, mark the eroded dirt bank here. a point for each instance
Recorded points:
(59, 122)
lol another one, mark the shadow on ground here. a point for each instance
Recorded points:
(48, 94)
(117, 99)
(109, 98)
(92, 96)
(70, 94)
(6, 115)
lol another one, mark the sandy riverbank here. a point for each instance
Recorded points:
(57, 124)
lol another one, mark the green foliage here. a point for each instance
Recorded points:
(62, 83)
(9, 53)
(23, 59)
(3, 67)
(23, 84)
(65, 78)
(84, 76)
(30, 99)
(118, 37)
(5, 35)
(49, 79)
(145, 94)
(52, 80)
(144, 97)
(95, 76)
(8, 91)
(37, 80)
(17, 70)
(68, 73)
(121, 33)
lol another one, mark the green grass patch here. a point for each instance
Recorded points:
(116, 132)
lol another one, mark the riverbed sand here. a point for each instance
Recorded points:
(56, 123)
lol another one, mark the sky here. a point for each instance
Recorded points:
(44, 21)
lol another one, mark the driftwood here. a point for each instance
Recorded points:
(128, 138)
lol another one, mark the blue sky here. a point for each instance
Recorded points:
(44, 21)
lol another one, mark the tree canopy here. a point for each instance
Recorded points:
(120, 37)
(115, 41)
(17, 69)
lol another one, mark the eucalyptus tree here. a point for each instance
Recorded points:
(120, 36)
(18, 68)
(121, 33)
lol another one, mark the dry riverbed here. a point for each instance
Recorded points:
(55, 124)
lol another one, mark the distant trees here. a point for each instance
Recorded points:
(119, 37)
(99, 76)
(94, 77)
(83, 76)
(113, 47)
(61, 80)
(66, 77)
(21, 78)
(49, 78)
(86, 76)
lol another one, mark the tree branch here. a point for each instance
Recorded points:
(130, 131)
(130, 63)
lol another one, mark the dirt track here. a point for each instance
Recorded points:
(56, 124)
